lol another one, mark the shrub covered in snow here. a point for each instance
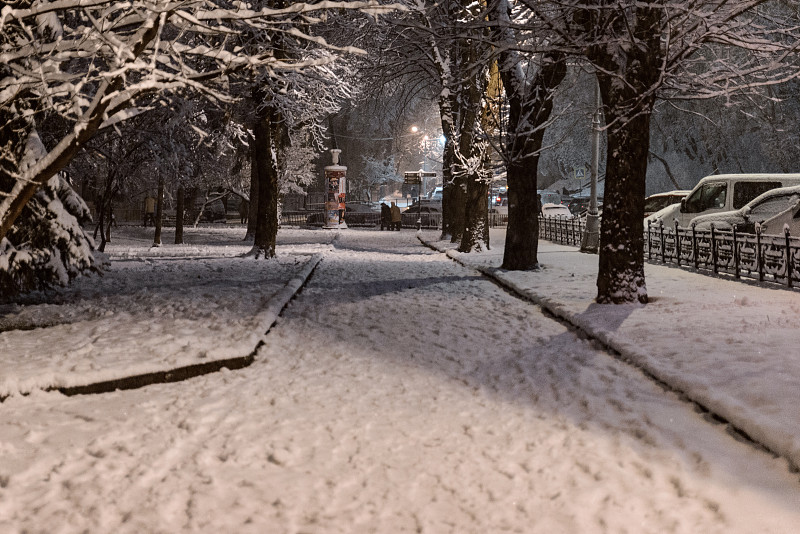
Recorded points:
(47, 246)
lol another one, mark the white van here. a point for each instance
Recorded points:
(721, 192)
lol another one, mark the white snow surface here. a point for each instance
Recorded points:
(399, 391)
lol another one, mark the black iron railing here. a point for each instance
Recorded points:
(562, 230)
(771, 258)
(766, 258)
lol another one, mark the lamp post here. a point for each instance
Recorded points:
(591, 235)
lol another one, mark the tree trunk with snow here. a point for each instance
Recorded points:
(469, 160)
(529, 110)
(252, 215)
(452, 201)
(266, 224)
(476, 214)
(628, 78)
(452, 197)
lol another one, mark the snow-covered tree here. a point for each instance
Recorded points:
(641, 51)
(529, 82)
(376, 173)
(451, 42)
(92, 64)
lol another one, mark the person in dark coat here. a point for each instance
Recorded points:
(386, 216)
(396, 217)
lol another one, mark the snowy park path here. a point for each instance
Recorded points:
(398, 392)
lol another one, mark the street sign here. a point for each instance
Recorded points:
(412, 178)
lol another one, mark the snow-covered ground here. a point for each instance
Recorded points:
(400, 391)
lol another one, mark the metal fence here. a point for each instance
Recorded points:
(562, 230)
(422, 220)
(295, 218)
(766, 258)
(498, 219)
(317, 218)
(761, 257)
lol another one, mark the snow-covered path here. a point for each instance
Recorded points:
(399, 392)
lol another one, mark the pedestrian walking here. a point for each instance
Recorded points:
(386, 216)
(396, 217)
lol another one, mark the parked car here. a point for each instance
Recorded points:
(549, 197)
(556, 210)
(430, 216)
(659, 201)
(437, 194)
(773, 210)
(719, 193)
(500, 206)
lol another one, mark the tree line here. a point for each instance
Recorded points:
(207, 85)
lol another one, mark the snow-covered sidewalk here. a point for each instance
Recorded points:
(728, 345)
(399, 391)
(156, 310)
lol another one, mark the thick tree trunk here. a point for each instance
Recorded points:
(628, 79)
(529, 111)
(449, 194)
(179, 208)
(458, 204)
(266, 211)
(476, 215)
(469, 161)
(252, 215)
(620, 275)
(469, 173)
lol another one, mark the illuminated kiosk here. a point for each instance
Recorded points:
(335, 176)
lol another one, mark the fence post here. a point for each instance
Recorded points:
(759, 256)
(663, 243)
(677, 245)
(714, 247)
(789, 268)
(572, 230)
(649, 241)
(735, 254)
(694, 247)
